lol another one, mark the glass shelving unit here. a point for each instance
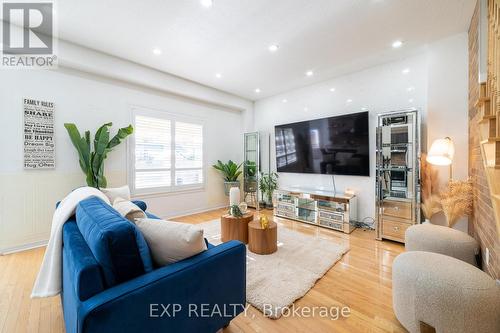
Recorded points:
(397, 172)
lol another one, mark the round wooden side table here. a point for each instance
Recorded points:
(235, 228)
(262, 241)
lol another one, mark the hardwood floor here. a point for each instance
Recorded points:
(360, 281)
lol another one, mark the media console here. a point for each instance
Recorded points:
(318, 207)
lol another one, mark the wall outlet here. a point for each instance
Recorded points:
(487, 256)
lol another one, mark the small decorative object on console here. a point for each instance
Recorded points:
(235, 211)
(264, 222)
(243, 207)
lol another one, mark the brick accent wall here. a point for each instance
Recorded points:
(482, 225)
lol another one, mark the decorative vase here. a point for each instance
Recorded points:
(228, 185)
(269, 203)
(234, 196)
(243, 207)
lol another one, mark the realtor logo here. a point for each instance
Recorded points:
(28, 35)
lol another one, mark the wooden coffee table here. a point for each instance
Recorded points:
(262, 241)
(235, 228)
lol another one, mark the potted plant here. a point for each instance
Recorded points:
(92, 160)
(230, 171)
(250, 169)
(268, 183)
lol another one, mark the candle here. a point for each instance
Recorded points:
(234, 196)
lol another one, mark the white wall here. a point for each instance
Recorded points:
(27, 198)
(379, 89)
(439, 79)
(447, 105)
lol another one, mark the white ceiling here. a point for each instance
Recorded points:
(330, 37)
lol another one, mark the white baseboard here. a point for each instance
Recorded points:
(192, 211)
(23, 247)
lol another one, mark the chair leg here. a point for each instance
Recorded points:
(426, 328)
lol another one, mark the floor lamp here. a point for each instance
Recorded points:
(441, 153)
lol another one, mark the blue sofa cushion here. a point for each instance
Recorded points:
(116, 243)
(141, 204)
(81, 272)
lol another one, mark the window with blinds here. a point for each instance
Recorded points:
(188, 154)
(168, 153)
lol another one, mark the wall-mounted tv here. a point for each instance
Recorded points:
(336, 145)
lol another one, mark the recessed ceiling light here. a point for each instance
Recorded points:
(397, 44)
(156, 51)
(207, 3)
(349, 101)
(405, 71)
(285, 100)
(273, 48)
(332, 89)
(410, 100)
(309, 73)
(257, 90)
(218, 75)
(410, 89)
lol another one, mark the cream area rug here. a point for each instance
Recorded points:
(275, 281)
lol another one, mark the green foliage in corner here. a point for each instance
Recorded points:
(92, 160)
(268, 183)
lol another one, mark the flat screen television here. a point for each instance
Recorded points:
(336, 145)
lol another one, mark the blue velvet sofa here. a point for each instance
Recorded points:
(110, 283)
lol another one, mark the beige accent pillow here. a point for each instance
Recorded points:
(128, 209)
(171, 241)
(117, 192)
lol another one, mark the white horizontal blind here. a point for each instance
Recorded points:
(153, 152)
(188, 153)
(168, 153)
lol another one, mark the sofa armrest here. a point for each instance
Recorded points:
(215, 278)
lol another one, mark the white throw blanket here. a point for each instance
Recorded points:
(49, 280)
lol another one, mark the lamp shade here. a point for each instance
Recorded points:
(441, 152)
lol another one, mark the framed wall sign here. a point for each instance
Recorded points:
(39, 141)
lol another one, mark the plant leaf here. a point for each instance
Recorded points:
(101, 141)
(229, 170)
(80, 144)
(122, 134)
